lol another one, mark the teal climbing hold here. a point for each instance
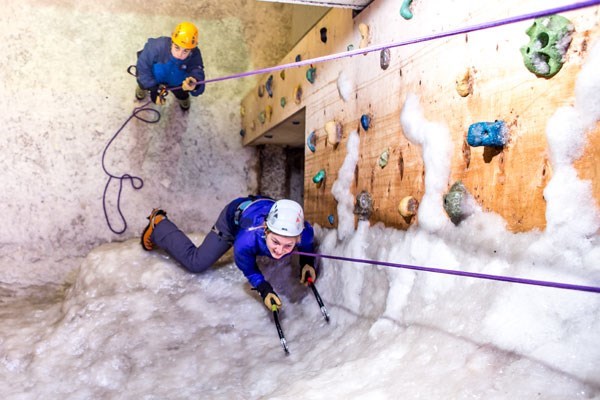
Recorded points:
(319, 177)
(405, 10)
(311, 74)
(311, 141)
(494, 134)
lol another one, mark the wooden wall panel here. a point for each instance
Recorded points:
(509, 182)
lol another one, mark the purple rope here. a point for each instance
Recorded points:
(472, 28)
(524, 281)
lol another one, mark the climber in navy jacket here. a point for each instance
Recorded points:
(171, 62)
(254, 226)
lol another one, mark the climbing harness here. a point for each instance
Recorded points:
(557, 285)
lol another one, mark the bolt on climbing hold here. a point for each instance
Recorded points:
(364, 35)
(269, 86)
(384, 58)
(323, 33)
(334, 132)
(331, 219)
(405, 10)
(458, 203)
(363, 206)
(298, 94)
(464, 83)
(365, 121)
(383, 158)
(549, 40)
(319, 178)
(494, 134)
(262, 116)
(311, 141)
(408, 206)
(282, 102)
(311, 74)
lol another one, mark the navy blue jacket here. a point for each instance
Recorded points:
(156, 65)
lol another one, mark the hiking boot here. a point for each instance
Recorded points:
(140, 93)
(155, 217)
(185, 104)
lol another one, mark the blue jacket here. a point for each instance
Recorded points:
(156, 65)
(250, 240)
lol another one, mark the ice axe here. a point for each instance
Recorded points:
(311, 283)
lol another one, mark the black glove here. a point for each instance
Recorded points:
(158, 94)
(268, 295)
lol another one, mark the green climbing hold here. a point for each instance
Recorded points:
(319, 177)
(283, 102)
(549, 40)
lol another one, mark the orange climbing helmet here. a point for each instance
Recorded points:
(185, 35)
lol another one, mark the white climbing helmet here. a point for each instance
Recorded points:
(286, 218)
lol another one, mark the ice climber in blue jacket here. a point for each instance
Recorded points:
(254, 226)
(171, 62)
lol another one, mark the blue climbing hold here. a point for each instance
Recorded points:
(311, 141)
(365, 122)
(494, 134)
(331, 219)
(269, 86)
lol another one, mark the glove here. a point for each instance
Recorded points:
(307, 271)
(189, 84)
(269, 296)
(158, 95)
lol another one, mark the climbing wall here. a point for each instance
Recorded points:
(460, 80)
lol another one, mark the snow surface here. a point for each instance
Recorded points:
(130, 324)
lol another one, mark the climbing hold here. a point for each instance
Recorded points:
(331, 219)
(298, 94)
(384, 58)
(282, 74)
(549, 40)
(487, 134)
(261, 90)
(311, 74)
(283, 102)
(242, 111)
(344, 85)
(364, 205)
(464, 83)
(242, 133)
(364, 35)
(383, 158)
(457, 203)
(334, 132)
(311, 141)
(269, 86)
(298, 58)
(319, 178)
(269, 112)
(405, 10)
(262, 116)
(365, 121)
(408, 206)
(323, 32)
(350, 47)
